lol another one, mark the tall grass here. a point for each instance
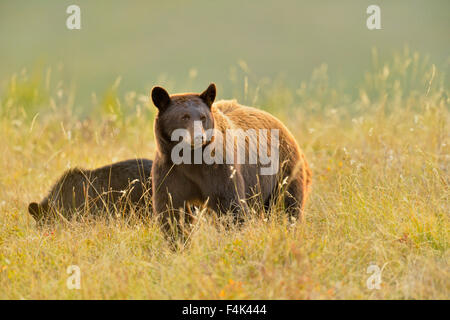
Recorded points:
(380, 158)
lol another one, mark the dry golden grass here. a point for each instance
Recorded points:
(380, 196)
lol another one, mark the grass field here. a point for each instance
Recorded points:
(380, 161)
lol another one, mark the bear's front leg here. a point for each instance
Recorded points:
(231, 197)
(168, 208)
(170, 195)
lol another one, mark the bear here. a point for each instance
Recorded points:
(112, 186)
(225, 186)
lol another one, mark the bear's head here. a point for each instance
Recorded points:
(38, 211)
(190, 112)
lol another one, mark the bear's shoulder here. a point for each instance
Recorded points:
(226, 106)
(232, 107)
(235, 111)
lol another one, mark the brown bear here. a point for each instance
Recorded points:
(110, 187)
(230, 181)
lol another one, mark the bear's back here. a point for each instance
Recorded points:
(71, 189)
(232, 115)
(245, 117)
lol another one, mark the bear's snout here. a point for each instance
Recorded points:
(198, 134)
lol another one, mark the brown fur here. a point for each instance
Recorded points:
(174, 185)
(122, 183)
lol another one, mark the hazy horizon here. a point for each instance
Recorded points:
(148, 43)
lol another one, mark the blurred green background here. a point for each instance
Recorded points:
(188, 44)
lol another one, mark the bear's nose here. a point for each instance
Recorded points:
(199, 133)
(198, 139)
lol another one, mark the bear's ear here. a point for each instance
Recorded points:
(160, 98)
(34, 210)
(209, 95)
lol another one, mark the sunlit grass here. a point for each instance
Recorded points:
(380, 196)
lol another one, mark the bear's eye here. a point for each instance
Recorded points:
(185, 117)
(203, 118)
